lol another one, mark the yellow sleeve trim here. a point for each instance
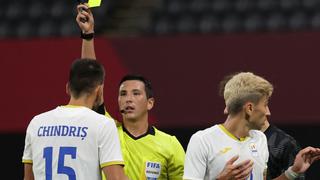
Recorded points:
(111, 163)
(27, 161)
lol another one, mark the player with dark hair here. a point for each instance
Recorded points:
(148, 152)
(73, 141)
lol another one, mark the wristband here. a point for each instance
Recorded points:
(86, 36)
(291, 175)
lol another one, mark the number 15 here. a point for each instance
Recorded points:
(62, 169)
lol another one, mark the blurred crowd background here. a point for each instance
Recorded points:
(185, 47)
(46, 18)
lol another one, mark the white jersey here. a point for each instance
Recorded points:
(69, 143)
(209, 150)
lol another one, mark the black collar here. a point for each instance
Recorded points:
(150, 131)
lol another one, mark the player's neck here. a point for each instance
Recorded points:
(236, 126)
(136, 128)
(82, 101)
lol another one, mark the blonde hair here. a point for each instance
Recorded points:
(244, 87)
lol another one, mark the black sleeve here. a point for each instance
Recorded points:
(101, 109)
(290, 152)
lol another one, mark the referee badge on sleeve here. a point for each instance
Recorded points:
(153, 170)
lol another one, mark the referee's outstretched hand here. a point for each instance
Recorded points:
(305, 158)
(236, 172)
(85, 19)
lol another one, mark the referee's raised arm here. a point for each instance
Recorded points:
(85, 22)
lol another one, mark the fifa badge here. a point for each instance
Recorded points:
(153, 170)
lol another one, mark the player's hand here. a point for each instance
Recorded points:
(240, 171)
(85, 19)
(305, 158)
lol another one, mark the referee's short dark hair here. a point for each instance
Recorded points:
(85, 75)
(138, 77)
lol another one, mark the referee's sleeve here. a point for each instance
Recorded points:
(176, 161)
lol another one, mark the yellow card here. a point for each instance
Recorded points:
(94, 3)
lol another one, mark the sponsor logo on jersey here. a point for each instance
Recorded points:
(253, 149)
(225, 150)
(153, 170)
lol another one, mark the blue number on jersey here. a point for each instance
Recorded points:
(62, 169)
(251, 176)
(47, 155)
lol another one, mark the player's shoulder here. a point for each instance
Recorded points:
(207, 132)
(257, 134)
(203, 139)
(44, 115)
(102, 118)
(254, 132)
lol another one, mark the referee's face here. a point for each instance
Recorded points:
(133, 102)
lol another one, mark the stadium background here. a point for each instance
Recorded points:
(185, 47)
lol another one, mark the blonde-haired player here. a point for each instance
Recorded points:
(236, 149)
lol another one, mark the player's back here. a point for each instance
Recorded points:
(64, 143)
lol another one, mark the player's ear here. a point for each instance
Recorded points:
(248, 108)
(99, 94)
(225, 111)
(98, 90)
(68, 88)
(150, 103)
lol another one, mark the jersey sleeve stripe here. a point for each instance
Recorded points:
(111, 163)
(27, 161)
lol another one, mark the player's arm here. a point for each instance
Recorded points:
(114, 172)
(27, 154)
(301, 164)
(291, 150)
(28, 173)
(110, 151)
(195, 161)
(85, 21)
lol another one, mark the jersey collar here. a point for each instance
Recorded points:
(230, 134)
(150, 131)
